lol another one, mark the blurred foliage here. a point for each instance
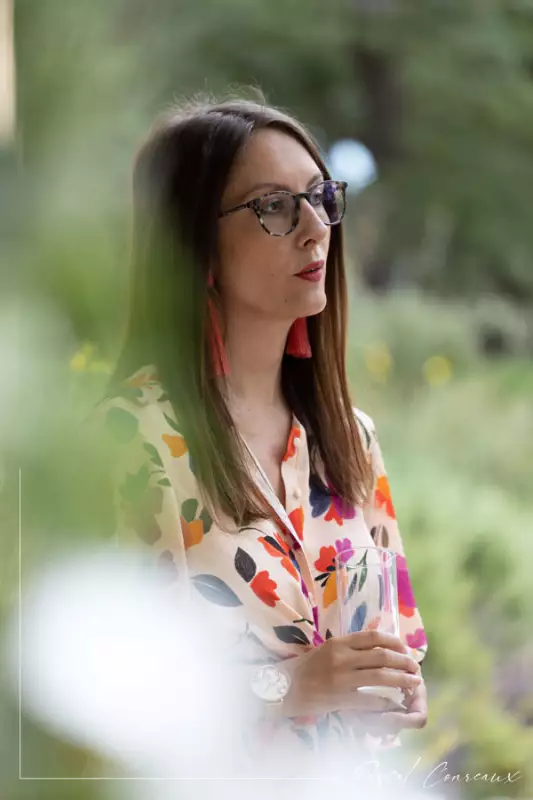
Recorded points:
(459, 453)
(442, 93)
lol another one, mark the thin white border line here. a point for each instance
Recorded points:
(174, 780)
(20, 624)
(65, 778)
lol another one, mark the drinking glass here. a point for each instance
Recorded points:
(367, 594)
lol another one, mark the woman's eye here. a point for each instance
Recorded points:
(317, 196)
(274, 205)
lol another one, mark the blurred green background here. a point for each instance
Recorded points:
(440, 253)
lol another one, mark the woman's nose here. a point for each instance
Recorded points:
(310, 224)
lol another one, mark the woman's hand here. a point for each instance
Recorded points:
(328, 677)
(389, 723)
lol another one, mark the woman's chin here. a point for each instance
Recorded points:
(314, 305)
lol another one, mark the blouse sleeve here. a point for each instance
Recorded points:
(380, 517)
(144, 510)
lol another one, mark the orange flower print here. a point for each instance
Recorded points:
(276, 547)
(326, 565)
(297, 519)
(193, 532)
(291, 447)
(265, 588)
(176, 445)
(382, 496)
(326, 559)
(194, 525)
(330, 592)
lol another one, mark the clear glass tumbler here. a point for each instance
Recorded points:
(367, 591)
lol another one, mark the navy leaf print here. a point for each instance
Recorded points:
(329, 634)
(155, 458)
(294, 562)
(306, 738)
(323, 726)
(290, 634)
(319, 500)
(276, 545)
(245, 565)
(358, 619)
(216, 591)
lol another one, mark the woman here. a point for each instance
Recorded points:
(244, 467)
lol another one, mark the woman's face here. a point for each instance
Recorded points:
(257, 272)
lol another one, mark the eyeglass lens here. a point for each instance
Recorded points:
(278, 210)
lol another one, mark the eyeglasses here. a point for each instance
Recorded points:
(279, 212)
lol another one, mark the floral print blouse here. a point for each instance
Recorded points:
(272, 584)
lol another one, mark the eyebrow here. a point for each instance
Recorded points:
(282, 186)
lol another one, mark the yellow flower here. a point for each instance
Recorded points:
(78, 362)
(438, 370)
(84, 359)
(378, 360)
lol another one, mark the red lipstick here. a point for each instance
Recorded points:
(312, 272)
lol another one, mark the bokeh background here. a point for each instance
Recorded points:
(440, 246)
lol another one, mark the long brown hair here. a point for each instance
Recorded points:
(180, 173)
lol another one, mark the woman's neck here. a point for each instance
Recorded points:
(254, 349)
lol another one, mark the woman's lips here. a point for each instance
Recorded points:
(312, 275)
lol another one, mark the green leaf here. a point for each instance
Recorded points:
(189, 509)
(172, 424)
(147, 528)
(123, 425)
(384, 537)
(352, 588)
(135, 486)
(164, 482)
(155, 458)
(206, 518)
(364, 573)
(154, 500)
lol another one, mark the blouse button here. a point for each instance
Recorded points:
(297, 494)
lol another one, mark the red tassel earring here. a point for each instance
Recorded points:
(298, 344)
(219, 361)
